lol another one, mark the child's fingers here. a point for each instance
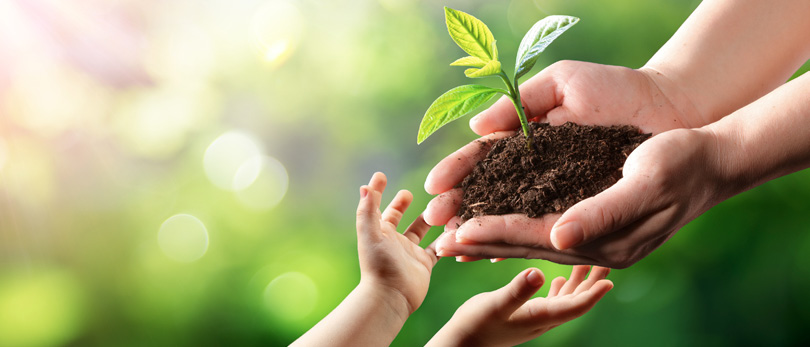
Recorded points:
(566, 308)
(577, 275)
(597, 273)
(556, 285)
(518, 291)
(587, 299)
(378, 182)
(368, 210)
(417, 230)
(393, 213)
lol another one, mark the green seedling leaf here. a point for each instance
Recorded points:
(471, 34)
(469, 61)
(452, 105)
(538, 38)
(492, 68)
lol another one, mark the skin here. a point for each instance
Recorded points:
(692, 95)
(395, 273)
(508, 316)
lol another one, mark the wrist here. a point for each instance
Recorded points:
(667, 85)
(391, 301)
(729, 159)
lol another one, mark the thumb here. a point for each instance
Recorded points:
(513, 295)
(611, 210)
(539, 95)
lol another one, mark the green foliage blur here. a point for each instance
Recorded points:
(185, 173)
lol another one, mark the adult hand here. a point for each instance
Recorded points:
(668, 181)
(583, 93)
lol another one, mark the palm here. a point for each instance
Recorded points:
(508, 316)
(398, 263)
(388, 258)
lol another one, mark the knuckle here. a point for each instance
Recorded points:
(606, 219)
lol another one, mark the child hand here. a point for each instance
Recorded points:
(390, 262)
(506, 317)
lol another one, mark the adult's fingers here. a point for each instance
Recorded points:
(611, 210)
(443, 207)
(393, 213)
(452, 169)
(539, 95)
(513, 229)
(446, 246)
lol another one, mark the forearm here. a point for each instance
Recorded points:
(728, 53)
(450, 335)
(766, 139)
(366, 317)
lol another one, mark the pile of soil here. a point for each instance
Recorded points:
(571, 163)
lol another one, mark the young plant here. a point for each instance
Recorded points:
(474, 37)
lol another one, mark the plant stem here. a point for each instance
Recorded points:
(514, 95)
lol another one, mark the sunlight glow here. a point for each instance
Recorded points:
(183, 238)
(277, 29)
(277, 50)
(3, 154)
(291, 296)
(49, 98)
(156, 124)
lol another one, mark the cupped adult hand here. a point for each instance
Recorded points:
(668, 181)
(628, 220)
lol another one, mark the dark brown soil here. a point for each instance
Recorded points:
(572, 162)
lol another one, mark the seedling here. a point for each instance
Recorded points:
(475, 38)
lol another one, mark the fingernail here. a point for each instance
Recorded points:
(534, 278)
(460, 259)
(363, 192)
(567, 235)
(446, 253)
(460, 237)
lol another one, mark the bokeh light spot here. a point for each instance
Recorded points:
(39, 308)
(229, 154)
(277, 29)
(291, 296)
(267, 187)
(183, 238)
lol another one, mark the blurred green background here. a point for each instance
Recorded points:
(185, 173)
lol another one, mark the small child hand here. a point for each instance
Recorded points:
(506, 317)
(390, 260)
